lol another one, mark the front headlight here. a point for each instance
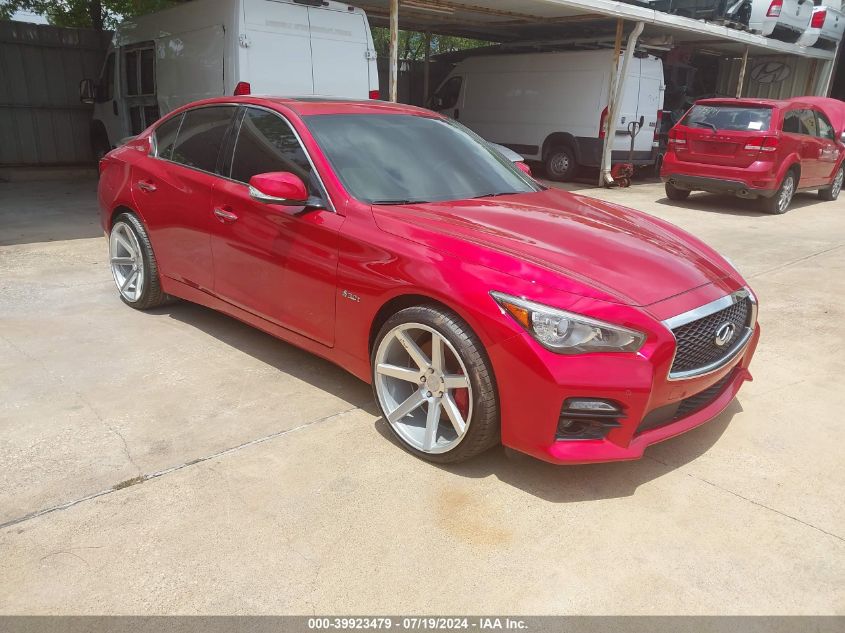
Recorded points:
(568, 333)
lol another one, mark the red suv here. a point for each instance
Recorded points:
(754, 148)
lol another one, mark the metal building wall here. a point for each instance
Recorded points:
(42, 121)
(775, 77)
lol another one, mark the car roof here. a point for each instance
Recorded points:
(313, 105)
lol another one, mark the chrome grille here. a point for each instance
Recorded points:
(696, 346)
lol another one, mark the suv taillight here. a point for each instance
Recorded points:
(774, 9)
(603, 123)
(243, 88)
(818, 19)
(765, 145)
(677, 140)
(374, 94)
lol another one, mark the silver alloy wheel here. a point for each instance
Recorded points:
(837, 183)
(786, 193)
(415, 388)
(127, 262)
(560, 163)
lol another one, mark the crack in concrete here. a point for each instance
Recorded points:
(749, 500)
(155, 475)
(796, 261)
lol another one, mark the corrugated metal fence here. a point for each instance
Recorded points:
(775, 77)
(42, 121)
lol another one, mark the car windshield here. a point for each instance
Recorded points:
(402, 159)
(729, 118)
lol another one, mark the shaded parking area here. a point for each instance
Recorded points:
(178, 461)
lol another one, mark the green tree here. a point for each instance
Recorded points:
(97, 14)
(412, 43)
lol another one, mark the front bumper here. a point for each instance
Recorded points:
(540, 381)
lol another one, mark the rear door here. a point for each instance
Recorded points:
(339, 53)
(808, 144)
(628, 110)
(649, 103)
(173, 191)
(719, 134)
(278, 48)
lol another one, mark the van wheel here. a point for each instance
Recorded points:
(832, 192)
(673, 193)
(780, 202)
(560, 164)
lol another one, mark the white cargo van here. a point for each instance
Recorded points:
(552, 106)
(210, 48)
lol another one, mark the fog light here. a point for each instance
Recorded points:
(588, 419)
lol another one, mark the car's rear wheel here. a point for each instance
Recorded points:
(434, 384)
(832, 192)
(674, 193)
(560, 164)
(133, 264)
(779, 203)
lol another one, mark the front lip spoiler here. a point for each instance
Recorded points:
(706, 310)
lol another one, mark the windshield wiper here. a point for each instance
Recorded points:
(493, 195)
(389, 202)
(710, 125)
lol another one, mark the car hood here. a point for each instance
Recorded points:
(629, 256)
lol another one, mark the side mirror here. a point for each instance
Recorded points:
(524, 168)
(278, 187)
(87, 91)
(141, 144)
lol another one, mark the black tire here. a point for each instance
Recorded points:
(674, 193)
(99, 141)
(560, 164)
(777, 204)
(832, 193)
(152, 295)
(483, 430)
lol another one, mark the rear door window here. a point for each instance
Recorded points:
(201, 136)
(165, 136)
(791, 123)
(729, 118)
(807, 123)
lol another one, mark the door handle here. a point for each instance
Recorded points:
(227, 217)
(146, 186)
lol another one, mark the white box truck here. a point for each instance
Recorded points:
(210, 48)
(551, 107)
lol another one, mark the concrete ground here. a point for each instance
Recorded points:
(180, 462)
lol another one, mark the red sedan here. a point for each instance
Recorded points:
(482, 306)
(756, 148)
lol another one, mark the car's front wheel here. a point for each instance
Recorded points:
(832, 193)
(434, 384)
(133, 264)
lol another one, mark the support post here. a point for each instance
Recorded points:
(741, 80)
(617, 49)
(831, 69)
(613, 104)
(394, 50)
(427, 69)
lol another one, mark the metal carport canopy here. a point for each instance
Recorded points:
(537, 20)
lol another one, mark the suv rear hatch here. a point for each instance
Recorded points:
(730, 135)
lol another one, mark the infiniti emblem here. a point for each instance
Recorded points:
(725, 334)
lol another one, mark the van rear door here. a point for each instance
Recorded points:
(278, 48)
(650, 102)
(340, 53)
(731, 135)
